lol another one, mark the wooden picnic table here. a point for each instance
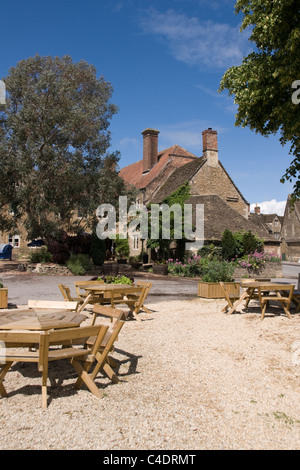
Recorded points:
(39, 319)
(265, 292)
(109, 291)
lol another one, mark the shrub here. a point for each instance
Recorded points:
(218, 271)
(41, 256)
(210, 251)
(228, 245)
(190, 268)
(98, 249)
(59, 251)
(79, 264)
(251, 243)
(257, 259)
(122, 247)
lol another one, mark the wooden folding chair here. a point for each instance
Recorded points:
(66, 292)
(102, 358)
(79, 285)
(44, 354)
(147, 286)
(133, 298)
(230, 298)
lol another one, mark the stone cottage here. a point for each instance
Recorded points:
(270, 222)
(159, 174)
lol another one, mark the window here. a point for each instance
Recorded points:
(14, 240)
(136, 242)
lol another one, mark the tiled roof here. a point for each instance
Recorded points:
(173, 157)
(219, 216)
(259, 220)
(177, 178)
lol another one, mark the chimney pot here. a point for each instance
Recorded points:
(150, 148)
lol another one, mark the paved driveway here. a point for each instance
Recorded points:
(23, 286)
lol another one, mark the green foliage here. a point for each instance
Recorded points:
(251, 243)
(79, 264)
(120, 279)
(98, 249)
(41, 256)
(218, 271)
(178, 197)
(262, 84)
(210, 251)
(190, 268)
(238, 244)
(121, 247)
(228, 245)
(54, 142)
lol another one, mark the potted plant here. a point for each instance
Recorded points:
(3, 295)
(135, 262)
(160, 267)
(110, 268)
(215, 272)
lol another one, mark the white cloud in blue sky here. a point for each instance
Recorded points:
(270, 207)
(198, 42)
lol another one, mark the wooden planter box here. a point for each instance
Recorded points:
(213, 290)
(136, 266)
(160, 269)
(110, 269)
(3, 297)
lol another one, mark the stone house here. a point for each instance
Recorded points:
(16, 238)
(270, 222)
(290, 231)
(159, 174)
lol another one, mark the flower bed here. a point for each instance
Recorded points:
(262, 264)
(191, 268)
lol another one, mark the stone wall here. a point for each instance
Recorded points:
(267, 270)
(40, 268)
(55, 269)
(214, 180)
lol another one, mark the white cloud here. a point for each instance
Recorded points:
(197, 42)
(221, 99)
(270, 207)
(129, 142)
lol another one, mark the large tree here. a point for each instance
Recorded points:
(265, 84)
(54, 142)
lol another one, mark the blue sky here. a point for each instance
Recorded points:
(165, 61)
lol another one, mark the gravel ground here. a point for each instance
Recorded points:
(192, 378)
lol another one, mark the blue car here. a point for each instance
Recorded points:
(36, 243)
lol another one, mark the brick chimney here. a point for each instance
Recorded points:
(210, 146)
(150, 148)
(257, 209)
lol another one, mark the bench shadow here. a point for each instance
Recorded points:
(62, 370)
